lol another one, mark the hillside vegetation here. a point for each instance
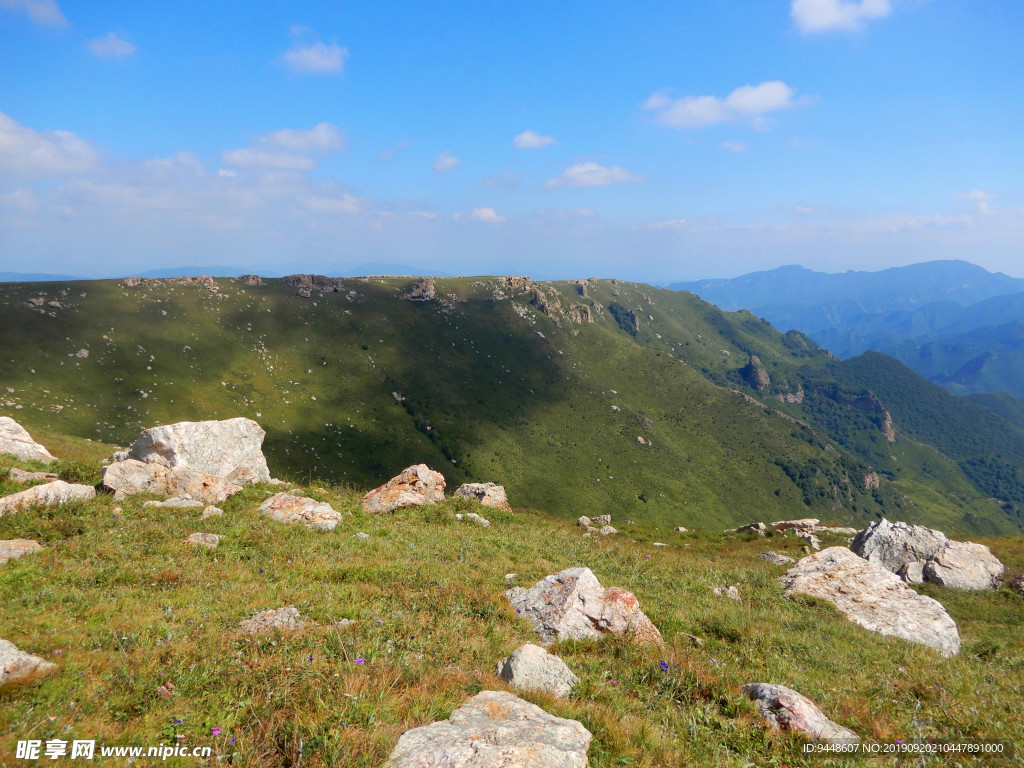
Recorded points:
(595, 396)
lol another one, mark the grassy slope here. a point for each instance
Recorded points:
(124, 607)
(492, 390)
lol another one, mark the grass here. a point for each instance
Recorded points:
(126, 608)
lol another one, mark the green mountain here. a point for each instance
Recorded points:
(580, 397)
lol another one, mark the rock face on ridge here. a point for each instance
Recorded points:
(572, 605)
(16, 441)
(232, 448)
(415, 486)
(57, 492)
(492, 729)
(873, 597)
(785, 709)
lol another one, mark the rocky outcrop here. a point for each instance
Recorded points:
(916, 554)
(16, 475)
(888, 428)
(17, 442)
(415, 486)
(871, 481)
(201, 280)
(874, 598)
(55, 493)
(232, 448)
(492, 729)
(251, 279)
(287, 618)
(755, 374)
(131, 477)
(321, 282)
(530, 667)
(803, 524)
(17, 665)
(572, 605)
(549, 305)
(785, 709)
(579, 314)
(11, 549)
(286, 508)
(422, 290)
(487, 494)
(516, 284)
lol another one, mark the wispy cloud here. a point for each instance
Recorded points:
(45, 13)
(593, 175)
(26, 152)
(445, 162)
(310, 55)
(811, 16)
(287, 149)
(748, 102)
(110, 46)
(734, 146)
(980, 198)
(387, 154)
(531, 140)
(670, 224)
(486, 214)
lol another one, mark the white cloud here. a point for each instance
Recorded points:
(812, 16)
(387, 154)
(670, 224)
(45, 13)
(344, 203)
(746, 102)
(445, 162)
(486, 214)
(25, 152)
(287, 149)
(981, 199)
(530, 140)
(734, 146)
(593, 175)
(227, 173)
(313, 56)
(110, 46)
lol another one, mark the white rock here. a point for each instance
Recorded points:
(11, 549)
(208, 540)
(286, 508)
(487, 494)
(130, 477)
(287, 618)
(730, 592)
(55, 493)
(361, 535)
(584, 522)
(183, 501)
(530, 667)
(964, 565)
(775, 557)
(16, 441)
(895, 546)
(15, 664)
(607, 531)
(785, 709)
(211, 511)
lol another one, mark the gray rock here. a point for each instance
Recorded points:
(572, 605)
(680, 529)
(482, 522)
(785, 709)
(874, 598)
(894, 546)
(16, 475)
(11, 549)
(812, 541)
(15, 664)
(232, 449)
(287, 618)
(607, 530)
(803, 523)
(16, 441)
(964, 565)
(585, 522)
(184, 501)
(487, 494)
(361, 535)
(415, 486)
(759, 528)
(530, 667)
(602, 520)
(730, 592)
(130, 477)
(286, 508)
(208, 540)
(494, 729)
(211, 511)
(775, 557)
(55, 493)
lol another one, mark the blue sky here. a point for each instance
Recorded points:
(646, 141)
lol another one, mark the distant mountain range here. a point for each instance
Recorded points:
(951, 321)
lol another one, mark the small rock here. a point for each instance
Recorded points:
(55, 493)
(511, 576)
(415, 486)
(812, 541)
(805, 549)
(211, 511)
(16, 475)
(208, 540)
(342, 623)
(603, 520)
(286, 618)
(680, 529)
(785, 525)
(658, 544)
(758, 528)
(775, 557)
(783, 708)
(530, 667)
(487, 494)
(585, 522)
(11, 549)
(361, 535)
(694, 639)
(483, 523)
(183, 501)
(1017, 585)
(730, 592)
(16, 665)
(607, 531)
(286, 508)
(165, 691)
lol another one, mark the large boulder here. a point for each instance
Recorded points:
(530, 667)
(286, 508)
(873, 597)
(232, 448)
(15, 664)
(487, 494)
(415, 486)
(785, 709)
(572, 605)
(492, 729)
(16, 441)
(10, 549)
(57, 492)
(964, 565)
(131, 477)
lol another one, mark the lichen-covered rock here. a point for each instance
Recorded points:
(964, 565)
(572, 605)
(55, 493)
(286, 508)
(530, 667)
(16, 441)
(415, 486)
(785, 709)
(494, 729)
(287, 618)
(131, 477)
(15, 664)
(874, 598)
(11, 549)
(232, 448)
(487, 494)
